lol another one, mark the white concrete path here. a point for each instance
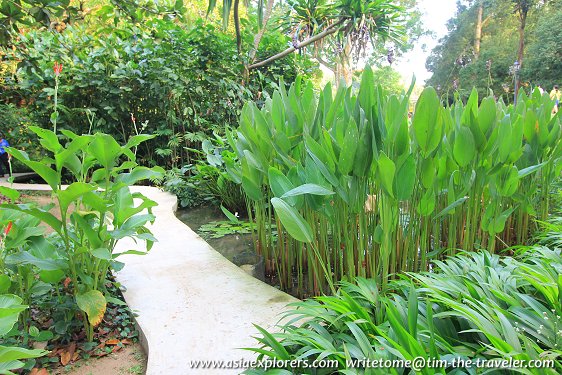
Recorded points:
(192, 303)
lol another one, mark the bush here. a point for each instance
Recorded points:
(472, 306)
(14, 125)
(179, 81)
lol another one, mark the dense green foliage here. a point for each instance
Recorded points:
(477, 306)
(358, 190)
(179, 80)
(457, 65)
(84, 240)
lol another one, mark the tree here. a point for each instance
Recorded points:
(544, 50)
(352, 23)
(478, 52)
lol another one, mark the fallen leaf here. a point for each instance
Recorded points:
(75, 357)
(66, 282)
(126, 342)
(65, 358)
(37, 371)
(72, 349)
(112, 342)
(116, 348)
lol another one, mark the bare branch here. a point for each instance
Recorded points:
(328, 31)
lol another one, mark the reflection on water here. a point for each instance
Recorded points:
(237, 248)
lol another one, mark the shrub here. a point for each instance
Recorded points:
(472, 306)
(14, 124)
(359, 190)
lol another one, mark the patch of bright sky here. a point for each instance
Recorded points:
(435, 14)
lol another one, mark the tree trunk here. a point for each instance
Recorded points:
(259, 35)
(521, 50)
(478, 31)
(237, 27)
(344, 70)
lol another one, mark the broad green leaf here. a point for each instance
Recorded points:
(136, 140)
(11, 194)
(292, 220)
(5, 284)
(532, 169)
(278, 182)
(139, 174)
(486, 115)
(451, 208)
(252, 190)
(427, 203)
(47, 138)
(10, 308)
(349, 148)
(307, 189)
(386, 171)
(25, 257)
(50, 176)
(229, 215)
(44, 216)
(101, 253)
(464, 148)
(405, 179)
(72, 193)
(426, 121)
(10, 354)
(93, 303)
(106, 150)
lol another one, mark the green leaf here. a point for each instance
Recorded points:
(427, 203)
(93, 303)
(464, 148)
(5, 284)
(450, 208)
(405, 179)
(252, 190)
(44, 216)
(10, 308)
(307, 189)
(101, 253)
(532, 169)
(385, 172)
(349, 148)
(11, 194)
(106, 150)
(426, 121)
(139, 174)
(25, 257)
(229, 215)
(278, 182)
(292, 221)
(10, 354)
(73, 192)
(136, 140)
(49, 175)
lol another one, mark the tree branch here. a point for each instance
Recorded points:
(259, 35)
(326, 64)
(330, 30)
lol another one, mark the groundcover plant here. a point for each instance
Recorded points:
(353, 187)
(472, 312)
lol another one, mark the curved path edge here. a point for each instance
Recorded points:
(192, 304)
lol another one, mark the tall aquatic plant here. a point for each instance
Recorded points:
(343, 184)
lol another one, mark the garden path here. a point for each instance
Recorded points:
(192, 303)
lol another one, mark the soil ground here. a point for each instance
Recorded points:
(129, 360)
